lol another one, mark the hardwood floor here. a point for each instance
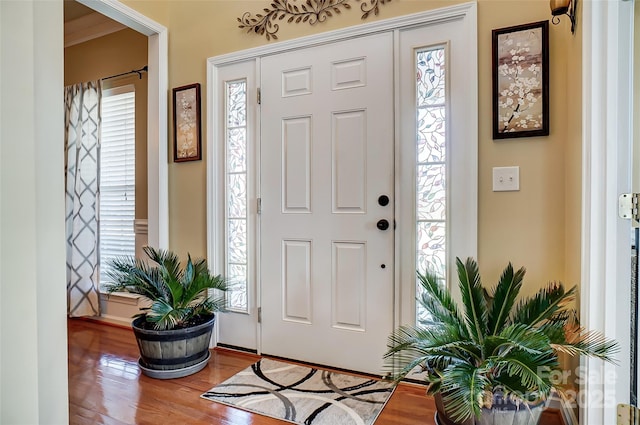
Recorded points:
(106, 386)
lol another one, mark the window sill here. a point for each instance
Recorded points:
(121, 298)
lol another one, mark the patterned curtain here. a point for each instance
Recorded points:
(82, 147)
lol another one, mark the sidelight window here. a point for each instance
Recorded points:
(236, 215)
(431, 165)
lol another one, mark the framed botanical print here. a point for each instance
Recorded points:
(186, 123)
(521, 81)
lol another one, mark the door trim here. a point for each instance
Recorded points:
(466, 12)
(607, 119)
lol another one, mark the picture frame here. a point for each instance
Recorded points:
(187, 143)
(521, 80)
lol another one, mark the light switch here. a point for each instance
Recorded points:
(506, 179)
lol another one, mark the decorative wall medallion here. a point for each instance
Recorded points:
(309, 11)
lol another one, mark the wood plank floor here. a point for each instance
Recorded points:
(106, 386)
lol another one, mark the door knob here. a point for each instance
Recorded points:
(383, 200)
(382, 224)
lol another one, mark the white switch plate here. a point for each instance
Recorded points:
(506, 179)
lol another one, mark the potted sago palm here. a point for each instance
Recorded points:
(491, 361)
(174, 331)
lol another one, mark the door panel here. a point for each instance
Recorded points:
(349, 286)
(237, 327)
(296, 170)
(296, 281)
(349, 161)
(327, 155)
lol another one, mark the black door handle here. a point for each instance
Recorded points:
(382, 224)
(383, 200)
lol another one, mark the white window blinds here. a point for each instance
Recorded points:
(117, 176)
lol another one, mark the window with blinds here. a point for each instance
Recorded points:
(117, 176)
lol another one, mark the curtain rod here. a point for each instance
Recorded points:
(133, 71)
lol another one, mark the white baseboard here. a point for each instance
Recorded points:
(113, 320)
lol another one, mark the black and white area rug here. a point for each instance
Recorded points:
(304, 395)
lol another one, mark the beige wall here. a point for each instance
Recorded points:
(111, 55)
(537, 227)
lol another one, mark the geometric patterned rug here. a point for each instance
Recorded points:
(304, 395)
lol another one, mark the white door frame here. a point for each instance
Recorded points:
(157, 77)
(215, 182)
(606, 173)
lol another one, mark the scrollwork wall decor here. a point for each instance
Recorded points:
(309, 11)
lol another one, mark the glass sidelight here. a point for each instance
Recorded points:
(236, 217)
(431, 164)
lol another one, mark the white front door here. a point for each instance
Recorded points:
(327, 156)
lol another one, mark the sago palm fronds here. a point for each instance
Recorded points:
(495, 343)
(178, 295)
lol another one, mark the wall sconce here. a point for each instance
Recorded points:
(564, 7)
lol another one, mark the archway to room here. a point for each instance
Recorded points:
(115, 17)
(99, 48)
(112, 39)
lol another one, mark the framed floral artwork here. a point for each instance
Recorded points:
(186, 123)
(521, 81)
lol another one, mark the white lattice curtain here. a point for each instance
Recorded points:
(82, 147)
